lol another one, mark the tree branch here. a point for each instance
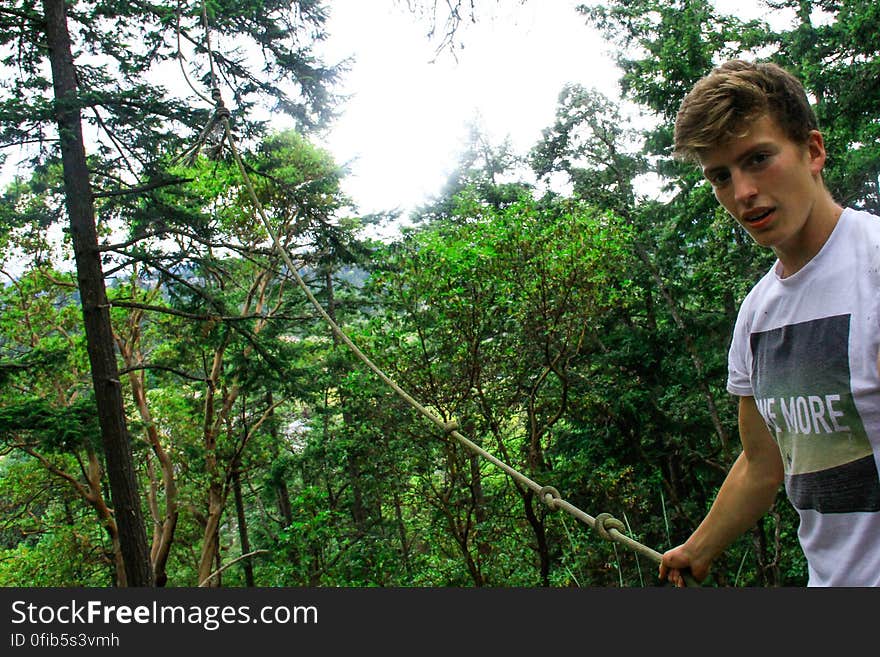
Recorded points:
(164, 368)
(141, 189)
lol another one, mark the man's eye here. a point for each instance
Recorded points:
(719, 178)
(759, 158)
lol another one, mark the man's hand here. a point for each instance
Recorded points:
(678, 561)
(747, 492)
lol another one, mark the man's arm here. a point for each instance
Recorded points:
(747, 493)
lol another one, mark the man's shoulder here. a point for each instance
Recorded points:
(860, 239)
(864, 214)
(861, 220)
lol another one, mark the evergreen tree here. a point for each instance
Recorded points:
(137, 120)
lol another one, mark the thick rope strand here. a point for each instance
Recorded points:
(604, 524)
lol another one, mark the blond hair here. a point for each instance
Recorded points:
(723, 104)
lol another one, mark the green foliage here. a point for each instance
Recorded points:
(55, 560)
(580, 338)
(33, 420)
(131, 40)
(43, 540)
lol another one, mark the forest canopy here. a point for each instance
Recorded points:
(173, 409)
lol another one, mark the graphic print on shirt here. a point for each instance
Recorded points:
(801, 380)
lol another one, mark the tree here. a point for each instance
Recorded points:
(494, 314)
(446, 20)
(135, 116)
(47, 412)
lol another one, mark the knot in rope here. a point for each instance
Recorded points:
(553, 494)
(221, 111)
(604, 523)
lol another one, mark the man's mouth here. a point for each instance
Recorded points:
(758, 218)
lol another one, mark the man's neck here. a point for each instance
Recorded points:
(816, 231)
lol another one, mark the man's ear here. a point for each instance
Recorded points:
(816, 151)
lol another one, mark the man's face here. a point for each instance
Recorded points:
(768, 183)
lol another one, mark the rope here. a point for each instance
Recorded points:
(605, 525)
(180, 59)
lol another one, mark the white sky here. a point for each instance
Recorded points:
(408, 118)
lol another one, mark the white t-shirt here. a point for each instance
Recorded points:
(806, 348)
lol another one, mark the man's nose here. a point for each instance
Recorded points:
(744, 188)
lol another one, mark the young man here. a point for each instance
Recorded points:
(804, 355)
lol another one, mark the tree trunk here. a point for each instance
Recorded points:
(242, 523)
(211, 537)
(282, 498)
(398, 510)
(96, 316)
(164, 522)
(216, 491)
